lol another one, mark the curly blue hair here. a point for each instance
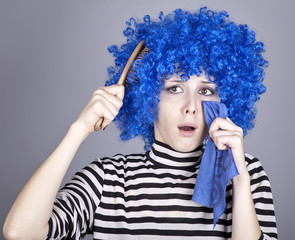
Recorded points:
(188, 43)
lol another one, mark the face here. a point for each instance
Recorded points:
(181, 122)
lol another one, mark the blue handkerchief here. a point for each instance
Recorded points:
(217, 168)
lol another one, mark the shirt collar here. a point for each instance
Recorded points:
(166, 156)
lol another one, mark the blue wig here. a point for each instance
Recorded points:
(188, 43)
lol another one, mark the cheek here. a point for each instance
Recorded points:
(163, 116)
(166, 116)
(162, 128)
(201, 118)
(165, 106)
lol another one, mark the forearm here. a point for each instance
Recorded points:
(244, 220)
(29, 215)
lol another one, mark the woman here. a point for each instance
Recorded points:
(193, 58)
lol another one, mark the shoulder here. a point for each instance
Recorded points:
(253, 163)
(120, 161)
(257, 173)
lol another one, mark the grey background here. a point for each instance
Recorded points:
(53, 56)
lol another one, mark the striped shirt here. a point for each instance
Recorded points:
(148, 196)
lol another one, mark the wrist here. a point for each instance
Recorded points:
(243, 179)
(76, 131)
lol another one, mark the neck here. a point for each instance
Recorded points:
(166, 156)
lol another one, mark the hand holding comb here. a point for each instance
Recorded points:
(138, 53)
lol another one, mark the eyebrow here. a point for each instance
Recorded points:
(207, 82)
(180, 81)
(174, 80)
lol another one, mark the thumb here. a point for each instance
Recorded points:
(116, 90)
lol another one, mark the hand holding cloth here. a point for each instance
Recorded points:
(217, 167)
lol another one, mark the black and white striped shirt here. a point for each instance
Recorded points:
(148, 196)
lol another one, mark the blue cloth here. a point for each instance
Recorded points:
(217, 167)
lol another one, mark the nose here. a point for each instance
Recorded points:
(190, 106)
(190, 111)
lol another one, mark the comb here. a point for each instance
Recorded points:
(137, 54)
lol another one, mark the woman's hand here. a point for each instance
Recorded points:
(224, 133)
(105, 103)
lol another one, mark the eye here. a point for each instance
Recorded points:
(206, 92)
(174, 89)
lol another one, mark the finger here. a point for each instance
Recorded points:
(102, 94)
(111, 102)
(224, 139)
(110, 98)
(120, 92)
(217, 133)
(224, 124)
(115, 90)
(228, 119)
(103, 111)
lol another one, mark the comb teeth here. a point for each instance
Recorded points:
(142, 53)
(131, 74)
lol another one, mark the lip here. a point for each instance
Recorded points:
(187, 129)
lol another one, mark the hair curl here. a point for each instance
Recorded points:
(188, 43)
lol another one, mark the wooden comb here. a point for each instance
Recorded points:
(138, 53)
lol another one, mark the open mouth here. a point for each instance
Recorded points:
(187, 130)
